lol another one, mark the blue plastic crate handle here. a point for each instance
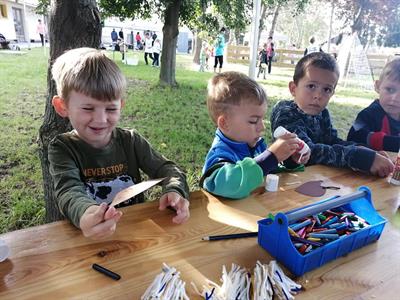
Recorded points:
(323, 205)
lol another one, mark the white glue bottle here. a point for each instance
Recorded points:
(303, 147)
(395, 179)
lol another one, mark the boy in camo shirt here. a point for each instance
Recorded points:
(96, 160)
(313, 84)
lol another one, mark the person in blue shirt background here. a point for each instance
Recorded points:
(219, 50)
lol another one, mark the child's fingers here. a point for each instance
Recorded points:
(98, 214)
(169, 199)
(111, 212)
(180, 205)
(174, 199)
(163, 202)
(115, 214)
(181, 216)
(384, 153)
(182, 211)
(288, 136)
(105, 229)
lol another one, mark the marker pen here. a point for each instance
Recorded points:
(106, 272)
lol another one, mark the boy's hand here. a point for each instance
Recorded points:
(177, 202)
(99, 222)
(284, 147)
(384, 153)
(382, 166)
(301, 159)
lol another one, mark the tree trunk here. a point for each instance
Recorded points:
(197, 48)
(237, 37)
(73, 24)
(262, 17)
(274, 20)
(170, 32)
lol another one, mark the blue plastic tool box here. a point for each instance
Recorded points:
(273, 235)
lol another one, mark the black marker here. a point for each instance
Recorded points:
(106, 272)
(229, 236)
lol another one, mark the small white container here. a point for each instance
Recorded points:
(303, 147)
(279, 131)
(272, 183)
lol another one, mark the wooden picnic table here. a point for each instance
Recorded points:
(54, 261)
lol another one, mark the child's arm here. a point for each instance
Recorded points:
(362, 132)
(99, 221)
(233, 180)
(284, 147)
(69, 190)
(178, 203)
(382, 165)
(226, 178)
(156, 166)
(333, 151)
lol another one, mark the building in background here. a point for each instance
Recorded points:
(18, 20)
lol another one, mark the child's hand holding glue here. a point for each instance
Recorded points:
(303, 152)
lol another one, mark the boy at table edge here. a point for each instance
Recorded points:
(238, 158)
(314, 82)
(378, 125)
(93, 162)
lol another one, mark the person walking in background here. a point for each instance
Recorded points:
(156, 53)
(312, 47)
(203, 56)
(41, 30)
(270, 53)
(219, 50)
(120, 47)
(131, 40)
(114, 37)
(121, 34)
(153, 37)
(138, 39)
(263, 58)
(148, 51)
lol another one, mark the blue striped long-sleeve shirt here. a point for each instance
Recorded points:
(320, 135)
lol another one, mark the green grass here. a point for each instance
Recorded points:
(174, 120)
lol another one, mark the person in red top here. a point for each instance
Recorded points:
(271, 53)
(378, 125)
(41, 30)
(138, 39)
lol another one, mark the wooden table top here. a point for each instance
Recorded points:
(53, 261)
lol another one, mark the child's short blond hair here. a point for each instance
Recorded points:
(391, 70)
(232, 88)
(90, 72)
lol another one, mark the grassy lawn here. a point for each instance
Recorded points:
(175, 121)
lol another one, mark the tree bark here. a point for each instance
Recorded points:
(262, 17)
(73, 24)
(274, 20)
(237, 37)
(197, 47)
(170, 32)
